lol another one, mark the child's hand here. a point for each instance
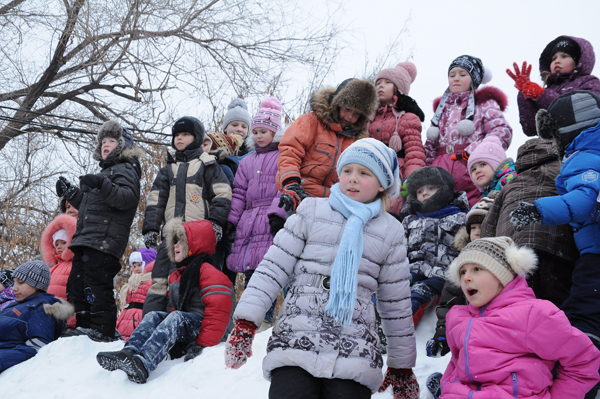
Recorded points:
(230, 232)
(526, 213)
(403, 382)
(437, 346)
(64, 188)
(532, 90)
(91, 181)
(218, 231)
(238, 347)
(150, 239)
(291, 196)
(520, 77)
(193, 351)
(276, 223)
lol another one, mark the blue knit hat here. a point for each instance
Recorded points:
(35, 273)
(379, 159)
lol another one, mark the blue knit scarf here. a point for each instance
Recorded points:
(344, 273)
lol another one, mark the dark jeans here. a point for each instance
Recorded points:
(90, 289)
(159, 331)
(296, 383)
(269, 316)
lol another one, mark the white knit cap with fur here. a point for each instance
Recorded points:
(499, 255)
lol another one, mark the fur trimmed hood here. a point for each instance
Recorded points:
(586, 61)
(355, 93)
(195, 237)
(462, 238)
(62, 310)
(482, 95)
(66, 222)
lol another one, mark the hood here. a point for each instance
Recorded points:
(589, 139)
(482, 95)
(535, 152)
(586, 62)
(195, 238)
(461, 238)
(69, 223)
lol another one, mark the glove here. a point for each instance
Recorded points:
(464, 156)
(403, 382)
(91, 181)
(526, 213)
(238, 347)
(150, 239)
(218, 231)
(230, 231)
(65, 189)
(532, 90)
(437, 346)
(521, 77)
(193, 350)
(178, 350)
(276, 222)
(291, 195)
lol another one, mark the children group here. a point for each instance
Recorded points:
(361, 225)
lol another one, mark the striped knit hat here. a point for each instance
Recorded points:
(268, 116)
(35, 273)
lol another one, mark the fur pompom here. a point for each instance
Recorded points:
(487, 75)
(466, 127)
(452, 273)
(433, 133)
(62, 310)
(271, 103)
(522, 260)
(461, 239)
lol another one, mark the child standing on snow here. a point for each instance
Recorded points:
(133, 292)
(566, 64)
(7, 295)
(199, 302)
(489, 167)
(340, 250)
(464, 116)
(107, 204)
(255, 216)
(397, 121)
(434, 214)
(507, 343)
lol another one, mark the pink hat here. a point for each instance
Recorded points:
(268, 116)
(402, 75)
(489, 150)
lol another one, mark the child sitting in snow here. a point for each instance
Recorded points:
(7, 295)
(506, 343)
(199, 299)
(133, 293)
(434, 214)
(489, 167)
(35, 320)
(340, 250)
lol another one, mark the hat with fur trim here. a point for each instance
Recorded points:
(194, 238)
(435, 176)
(478, 213)
(402, 75)
(358, 94)
(490, 150)
(35, 273)
(237, 110)
(114, 130)
(568, 116)
(499, 255)
(6, 278)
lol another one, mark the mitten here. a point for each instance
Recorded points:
(64, 188)
(526, 213)
(291, 195)
(218, 231)
(276, 222)
(521, 77)
(433, 384)
(150, 239)
(238, 347)
(230, 231)
(464, 156)
(91, 181)
(193, 350)
(437, 346)
(403, 382)
(178, 350)
(532, 90)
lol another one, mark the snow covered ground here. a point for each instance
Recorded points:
(67, 368)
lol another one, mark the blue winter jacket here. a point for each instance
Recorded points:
(26, 326)
(578, 185)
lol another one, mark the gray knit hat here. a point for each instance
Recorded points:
(237, 110)
(35, 273)
(499, 255)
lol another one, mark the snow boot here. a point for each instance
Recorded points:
(125, 360)
(433, 384)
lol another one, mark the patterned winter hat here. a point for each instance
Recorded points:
(268, 116)
(478, 213)
(499, 255)
(6, 278)
(237, 110)
(569, 46)
(490, 150)
(113, 129)
(402, 75)
(228, 143)
(378, 158)
(35, 273)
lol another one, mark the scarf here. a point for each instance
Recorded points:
(442, 213)
(190, 278)
(469, 112)
(344, 273)
(134, 282)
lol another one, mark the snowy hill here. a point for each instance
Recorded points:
(67, 368)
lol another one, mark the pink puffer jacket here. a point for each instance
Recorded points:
(508, 348)
(131, 316)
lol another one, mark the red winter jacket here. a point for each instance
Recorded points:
(131, 315)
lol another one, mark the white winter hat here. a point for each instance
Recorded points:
(136, 257)
(60, 235)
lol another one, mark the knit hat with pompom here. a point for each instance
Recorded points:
(268, 116)
(402, 75)
(237, 110)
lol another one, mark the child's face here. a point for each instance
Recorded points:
(71, 210)
(478, 284)
(359, 183)
(482, 174)
(385, 91)
(562, 62)
(475, 231)
(108, 145)
(179, 255)
(136, 267)
(237, 127)
(262, 137)
(349, 116)
(22, 290)
(182, 140)
(459, 80)
(60, 246)
(426, 192)
(206, 145)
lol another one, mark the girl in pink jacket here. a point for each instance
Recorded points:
(506, 343)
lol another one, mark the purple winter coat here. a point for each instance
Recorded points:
(559, 83)
(255, 196)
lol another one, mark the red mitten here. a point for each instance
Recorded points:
(403, 382)
(239, 344)
(521, 77)
(532, 90)
(460, 156)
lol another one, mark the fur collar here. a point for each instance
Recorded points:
(62, 310)
(482, 95)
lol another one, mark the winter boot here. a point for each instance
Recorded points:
(89, 332)
(124, 360)
(433, 384)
